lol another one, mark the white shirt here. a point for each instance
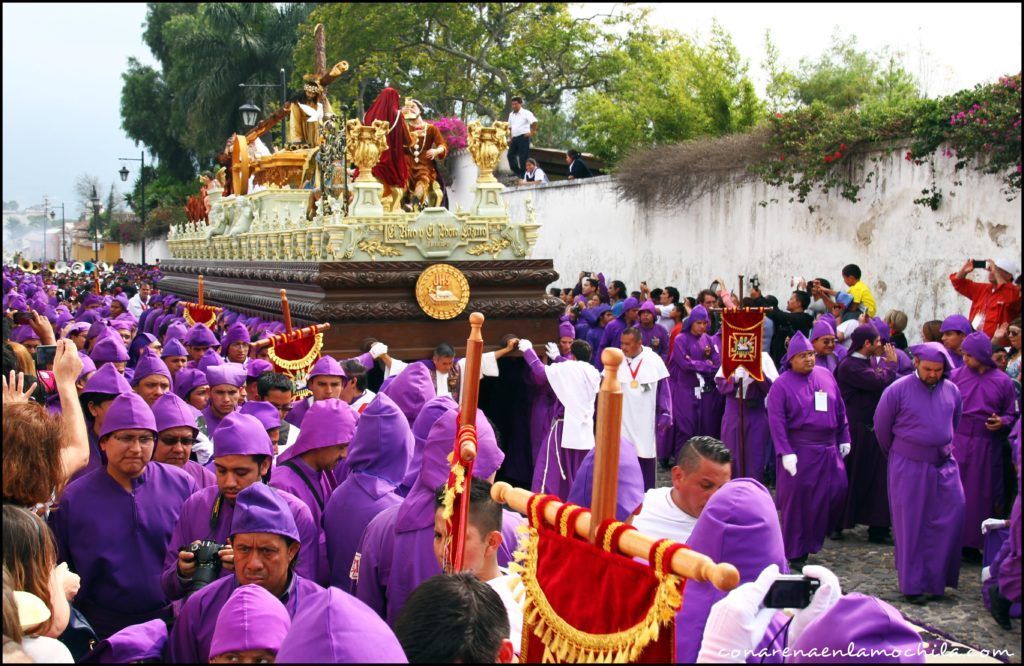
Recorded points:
(136, 307)
(519, 123)
(639, 405)
(510, 588)
(538, 176)
(575, 383)
(488, 368)
(665, 316)
(44, 650)
(660, 518)
(846, 329)
(365, 399)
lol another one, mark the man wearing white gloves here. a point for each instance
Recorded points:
(445, 369)
(833, 627)
(807, 420)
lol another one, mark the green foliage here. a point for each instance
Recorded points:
(667, 89)
(147, 117)
(165, 193)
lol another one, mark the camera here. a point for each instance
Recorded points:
(207, 560)
(791, 591)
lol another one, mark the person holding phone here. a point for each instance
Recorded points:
(994, 302)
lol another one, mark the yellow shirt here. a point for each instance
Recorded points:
(862, 296)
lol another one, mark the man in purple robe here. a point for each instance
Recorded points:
(629, 497)
(692, 368)
(250, 627)
(861, 383)
(597, 319)
(654, 336)
(113, 526)
(378, 457)
(226, 382)
(176, 434)
(99, 393)
(807, 420)
(324, 382)
(955, 328)
(234, 344)
(411, 390)
(613, 331)
(989, 409)
(152, 379)
(199, 339)
(432, 410)
(1001, 591)
(192, 386)
(174, 356)
(757, 440)
(265, 545)
(823, 339)
(914, 424)
(241, 458)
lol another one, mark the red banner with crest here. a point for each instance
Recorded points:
(742, 336)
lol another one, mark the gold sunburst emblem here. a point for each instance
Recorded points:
(442, 291)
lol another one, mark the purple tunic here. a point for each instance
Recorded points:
(757, 442)
(914, 425)
(116, 541)
(812, 501)
(976, 449)
(861, 383)
(372, 563)
(689, 359)
(193, 630)
(655, 337)
(830, 361)
(194, 523)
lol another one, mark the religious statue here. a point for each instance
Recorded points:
(392, 171)
(427, 144)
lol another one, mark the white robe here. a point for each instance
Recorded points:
(575, 383)
(640, 404)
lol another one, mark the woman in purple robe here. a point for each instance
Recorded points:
(861, 383)
(692, 366)
(377, 460)
(989, 409)
(113, 526)
(914, 424)
(757, 440)
(807, 419)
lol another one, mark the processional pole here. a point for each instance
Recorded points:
(606, 455)
(743, 400)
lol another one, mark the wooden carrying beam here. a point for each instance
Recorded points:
(606, 455)
(687, 563)
(296, 334)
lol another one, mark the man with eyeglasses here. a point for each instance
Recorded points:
(114, 525)
(176, 434)
(278, 390)
(823, 338)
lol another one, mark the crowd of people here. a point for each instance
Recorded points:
(170, 494)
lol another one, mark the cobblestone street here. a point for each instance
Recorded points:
(868, 568)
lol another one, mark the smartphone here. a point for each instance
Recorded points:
(793, 591)
(21, 318)
(45, 355)
(980, 263)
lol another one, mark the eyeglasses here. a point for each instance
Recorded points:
(284, 409)
(828, 341)
(143, 440)
(1012, 333)
(174, 441)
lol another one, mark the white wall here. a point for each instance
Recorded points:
(905, 250)
(155, 249)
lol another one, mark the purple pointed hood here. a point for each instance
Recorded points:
(739, 525)
(934, 352)
(241, 435)
(252, 619)
(383, 442)
(173, 348)
(134, 643)
(327, 423)
(417, 511)
(592, 315)
(798, 344)
(566, 330)
(429, 415)
(627, 305)
(138, 343)
(326, 366)
(150, 364)
(630, 494)
(187, 380)
(128, 411)
(232, 374)
(87, 365)
(209, 359)
(699, 313)
(862, 334)
(175, 331)
(235, 333)
(956, 322)
(259, 509)
(98, 329)
(171, 411)
(23, 333)
(649, 306)
(107, 381)
(883, 329)
(979, 346)
(257, 367)
(821, 329)
(200, 336)
(865, 622)
(265, 412)
(340, 629)
(109, 349)
(412, 389)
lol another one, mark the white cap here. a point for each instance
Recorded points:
(1009, 265)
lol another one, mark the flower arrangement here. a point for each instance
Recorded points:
(454, 132)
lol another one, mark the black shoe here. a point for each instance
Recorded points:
(971, 555)
(916, 599)
(837, 535)
(879, 535)
(1000, 608)
(798, 563)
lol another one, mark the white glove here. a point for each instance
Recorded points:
(740, 374)
(789, 463)
(551, 349)
(844, 450)
(738, 622)
(524, 345)
(378, 349)
(826, 596)
(986, 573)
(990, 524)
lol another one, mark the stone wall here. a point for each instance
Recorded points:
(155, 249)
(905, 250)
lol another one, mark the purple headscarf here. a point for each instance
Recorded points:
(630, 494)
(259, 509)
(979, 346)
(383, 442)
(252, 619)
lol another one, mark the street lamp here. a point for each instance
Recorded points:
(95, 201)
(63, 241)
(250, 118)
(142, 185)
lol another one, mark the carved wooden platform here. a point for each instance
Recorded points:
(378, 300)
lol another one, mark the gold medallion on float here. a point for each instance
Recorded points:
(442, 291)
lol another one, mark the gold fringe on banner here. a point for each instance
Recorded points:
(567, 644)
(302, 363)
(208, 323)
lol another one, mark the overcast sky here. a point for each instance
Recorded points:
(62, 67)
